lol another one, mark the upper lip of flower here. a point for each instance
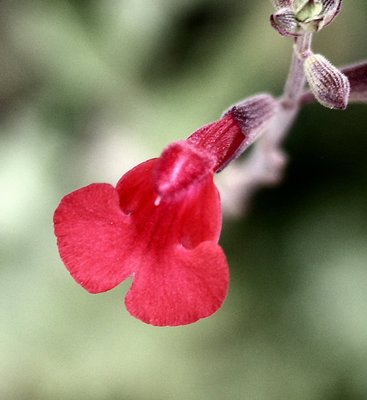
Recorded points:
(180, 167)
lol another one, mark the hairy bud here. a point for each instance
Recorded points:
(285, 22)
(295, 17)
(330, 87)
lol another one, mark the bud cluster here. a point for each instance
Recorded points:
(300, 19)
(296, 17)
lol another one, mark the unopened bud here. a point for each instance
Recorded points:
(294, 17)
(284, 21)
(313, 15)
(329, 86)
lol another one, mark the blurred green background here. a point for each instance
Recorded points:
(90, 88)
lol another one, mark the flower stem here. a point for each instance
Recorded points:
(296, 78)
(264, 166)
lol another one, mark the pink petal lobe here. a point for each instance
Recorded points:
(95, 237)
(179, 287)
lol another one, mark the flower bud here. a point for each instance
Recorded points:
(329, 86)
(316, 14)
(285, 22)
(295, 17)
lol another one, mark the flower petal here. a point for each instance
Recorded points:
(179, 287)
(189, 220)
(200, 218)
(182, 166)
(94, 237)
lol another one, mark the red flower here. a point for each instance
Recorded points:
(160, 225)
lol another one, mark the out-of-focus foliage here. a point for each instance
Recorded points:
(90, 88)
